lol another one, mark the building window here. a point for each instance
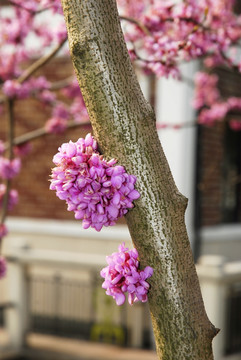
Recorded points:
(231, 177)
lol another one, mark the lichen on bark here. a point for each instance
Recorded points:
(124, 125)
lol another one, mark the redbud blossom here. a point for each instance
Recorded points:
(55, 125)
(9, 168)
(122, 275)
(97, 191)
(12, 198)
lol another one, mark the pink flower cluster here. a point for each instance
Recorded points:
(58, 122)
(208, 100)
(206, 92)
(13, 88)
(97, 191)
(21, 23)
(122, 275)
(22, 149)
(181, 31)
(55, 125)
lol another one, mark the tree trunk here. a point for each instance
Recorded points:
(124, 126)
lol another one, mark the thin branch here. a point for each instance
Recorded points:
(33, 12)
(190, 20)
(138, 23)
(40, 62)
(32, 135)
(36, 66)
(62, 83)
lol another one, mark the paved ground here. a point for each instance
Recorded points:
(51, 348)
(87, 350)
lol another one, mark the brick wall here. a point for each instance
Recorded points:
(209, 184)
(35, 198)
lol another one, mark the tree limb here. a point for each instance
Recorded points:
(40, 62)
(124, 125)
(32, 135)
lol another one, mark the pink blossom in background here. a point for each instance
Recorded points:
(208, 100)
(60, 110)
(9, 168)
(216, 112)
(3, 266)
(234, 103)
(12, 199)
(11, 88)
(46, 97)
(78, 110)
(171, 33)
(9, 64)
(180, 31)
(122, 275)
(55, 125)
(39, 83)
(206, 92)
(97, 191)
(235, 124)
(72, 90)
(29, 4)
(23, 149)
(55, 5)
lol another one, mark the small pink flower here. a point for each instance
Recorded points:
(9, 168)
(56, 125)
(122, 275)
(234, 103)
(47, 97)
(11, 88)
(61, 111)
(216, 112)
(23, 149)
(72, 90)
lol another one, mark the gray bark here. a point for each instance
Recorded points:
(124, 126)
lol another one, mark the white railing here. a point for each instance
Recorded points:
(20, 262)
(217, 278)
